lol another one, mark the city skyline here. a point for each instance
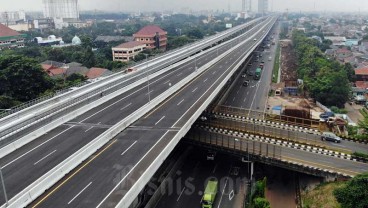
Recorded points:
(162, 5)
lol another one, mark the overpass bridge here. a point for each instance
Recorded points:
(268, 150)
(152, 124)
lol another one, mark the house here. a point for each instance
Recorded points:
(94, 72)
(127, 51)
(153, 36)
(361, 74)
(10, 38)
(336, 40)
(343, 53)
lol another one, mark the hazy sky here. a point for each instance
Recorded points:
(177, 5)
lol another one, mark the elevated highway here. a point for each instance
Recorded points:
(43, 155)
(119, 171)
(29, 123)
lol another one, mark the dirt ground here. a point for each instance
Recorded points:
(293, 101)
(353, 112)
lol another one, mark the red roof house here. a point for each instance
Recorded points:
(153, 36)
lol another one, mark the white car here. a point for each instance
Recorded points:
(255, 39)
(244, 75)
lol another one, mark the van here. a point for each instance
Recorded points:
(270, 58)
(328, 136)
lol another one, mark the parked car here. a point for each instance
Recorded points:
(244, 75)
(328, 136)
(326, 115)
(211, 155)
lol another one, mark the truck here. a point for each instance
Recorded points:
(210, 193)
(257, 75)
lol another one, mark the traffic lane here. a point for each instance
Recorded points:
(162, 142)
(191, 93)
(122, 154)
(306, 158)
(290, 135)
(324, 161)
(115, 195)
(22, 171)
(118, 102)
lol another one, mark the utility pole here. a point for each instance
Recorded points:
(148, 82)
(3, 184)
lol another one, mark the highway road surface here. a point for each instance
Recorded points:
(30, 162)
(104, 179)
(190, 181)
(307, 158)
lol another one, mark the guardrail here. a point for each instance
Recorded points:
(183, 48)
(94, 88)
(143, 180)
(70, 106)
(53, 176)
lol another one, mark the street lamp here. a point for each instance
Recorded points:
(3, 184)
(148, 82)
(195, 63)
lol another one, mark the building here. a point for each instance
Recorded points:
(12, 17)
(10, 38)
(127, 51)
(336, 40)
(262, 6)
(246, 6)
(50, 40)
(153, 36)
(61, 9)
(361, 74)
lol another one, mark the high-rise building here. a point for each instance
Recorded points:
(262, 6)
(246, 5)
(64, 9)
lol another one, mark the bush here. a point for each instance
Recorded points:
(261, 203)
(338, 110)
(360, 154)
(354, 194)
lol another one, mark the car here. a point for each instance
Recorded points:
(246, 83)
(250, 64)
(203, 118)
(255, 39)
(328, 136)
(326, 115)
(244, 75)
(211, 155)
(250, 73)
(260, 55)
(270, 58)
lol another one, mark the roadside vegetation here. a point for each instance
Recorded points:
(276, 66)
(257, 198)
(349, 194)
(325, 80)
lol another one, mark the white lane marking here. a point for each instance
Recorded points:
(89, 129)
(214, 72)
(244, 99)
(44, 157)
(205, 80)
(195, 89)
(129, 148)
(180, 102)
(159, 120)
(118, 184)
(180, 194)
(149, 92)
(79, 193)
(222, 193)
(167, 82)
(179, 74)
(214, 170)
(248, 93)
(38, 146)
(233, 99)
(237, 92)
(126, 106)
(144, 87)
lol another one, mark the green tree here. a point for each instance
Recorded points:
(89, 59)
(7, 102)
(195, 33)
(261, 203)
(22, 78)
(354, 194)
(363, 124)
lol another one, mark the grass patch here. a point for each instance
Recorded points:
(361, 155)
(322, 196)
(276, 65)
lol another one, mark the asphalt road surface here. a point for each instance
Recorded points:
(105, 179)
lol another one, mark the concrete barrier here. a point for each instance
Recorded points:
(35, 110)
(145, 177)
(46, 181)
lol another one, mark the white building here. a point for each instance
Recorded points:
(61, 9)
(12, 16)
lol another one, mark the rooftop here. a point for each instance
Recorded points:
(6, 31)
(361, 71)
(150, 30)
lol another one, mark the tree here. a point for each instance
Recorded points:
(195, 33)
(89, 59)
(363, 124)
(22, 78)
(354, 194)
(261, 203)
